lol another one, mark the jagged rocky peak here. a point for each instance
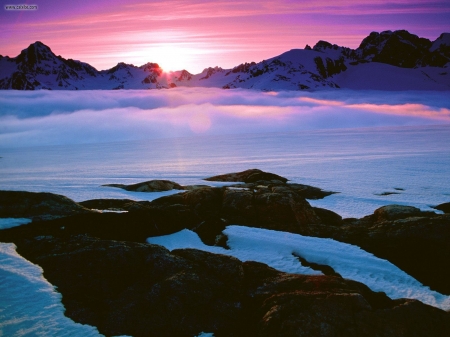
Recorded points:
(184, 76)
(399, 48)
(120, 66)
(208, 72)
(35, 54)
(442, 43)
(323, 45)
(243, 67)
(152, 68)
(337, 51)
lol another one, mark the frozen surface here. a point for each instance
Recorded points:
(276, 250)
(29, 305)
(358, 163)
(13, 222)
(358, 143)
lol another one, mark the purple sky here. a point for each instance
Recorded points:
(197, 34)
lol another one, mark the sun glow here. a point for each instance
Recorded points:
(169, 56)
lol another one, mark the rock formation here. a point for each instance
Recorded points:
(110, 278)
(37, 206)
(144, 290)
(150, 186)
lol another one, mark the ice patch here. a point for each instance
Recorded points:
(29, 304)
(107, 211)
(13, 222)
(276, 250)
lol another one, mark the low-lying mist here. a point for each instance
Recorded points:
(30, 118)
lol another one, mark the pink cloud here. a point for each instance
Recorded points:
(207, 33)
(409, 109)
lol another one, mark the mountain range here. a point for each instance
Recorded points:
(390, 60)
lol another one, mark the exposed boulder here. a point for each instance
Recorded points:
(309, 192)
(395, 212)
(445, 207)
(328, 217)
(38, 206)
(247, 176)
(149, 186)
(115, 204)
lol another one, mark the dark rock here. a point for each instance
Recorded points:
(445, 207)
(37, 206)
(328, 217)
(114, 204)
(145, 290)
(386, 193)
(325, 269)
(394, 212)
(310, 307)
(398, 48)
(210, 232)
(283, 211)
(247, 176)
(149, 186)
(310, 192)
(194, 187)
(415, 241)
(238, 205)
(278, 207)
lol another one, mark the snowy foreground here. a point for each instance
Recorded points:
(30, 305)
(276, 249)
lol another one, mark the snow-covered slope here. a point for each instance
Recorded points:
(387, 60)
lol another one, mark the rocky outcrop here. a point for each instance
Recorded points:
(115, 204)
(445, 207)
(128, 288)
(111, 279)
(415, 241)
(247, 176)
(149, 186)
(395, 212)
(401, 49)
(272, 206)
(37, 206)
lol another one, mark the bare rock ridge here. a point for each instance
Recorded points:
(144, 290)
(38, 206)
(110, 278)
(37, 67)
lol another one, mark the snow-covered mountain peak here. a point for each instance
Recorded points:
(183, 76)
(326, 65)
(442, 42)
(36, 54)
(152, 68)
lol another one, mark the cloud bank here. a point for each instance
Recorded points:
(81, 117)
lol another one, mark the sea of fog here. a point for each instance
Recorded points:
(359, 143)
